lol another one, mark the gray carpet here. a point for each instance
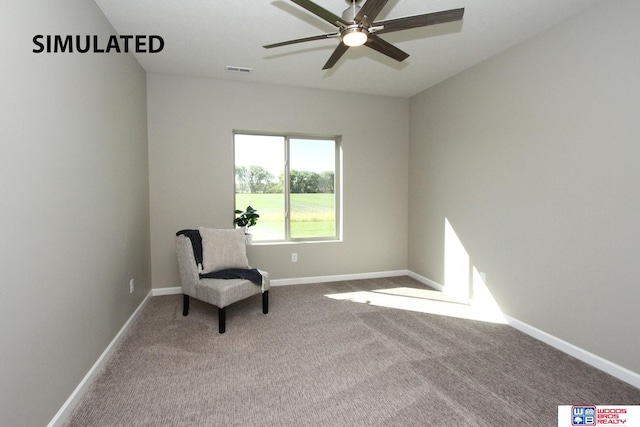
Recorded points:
(314, 360)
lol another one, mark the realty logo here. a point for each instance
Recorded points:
(583, 415)
(597, 415)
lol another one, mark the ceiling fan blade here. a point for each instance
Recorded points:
(336, 55)
(306, 39)
(419, 20)
(321, 12)
(369, 11)
(386, 48)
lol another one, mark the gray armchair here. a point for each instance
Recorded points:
(219, 292)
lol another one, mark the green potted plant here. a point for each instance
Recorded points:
(246, 219)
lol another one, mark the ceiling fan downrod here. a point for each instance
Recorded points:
(349, 14)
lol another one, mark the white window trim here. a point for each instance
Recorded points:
(337, 188)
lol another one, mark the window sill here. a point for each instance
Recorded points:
(293, 242)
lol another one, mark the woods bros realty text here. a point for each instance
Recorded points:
(94, 44)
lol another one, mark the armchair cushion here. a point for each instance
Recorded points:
(222, 249)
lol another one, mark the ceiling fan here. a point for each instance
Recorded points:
(357, 27)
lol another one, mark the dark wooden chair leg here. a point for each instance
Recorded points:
(221, 319)
(185, 305)
(265, 302)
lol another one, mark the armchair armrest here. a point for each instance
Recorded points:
(189, 276)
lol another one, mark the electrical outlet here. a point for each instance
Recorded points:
(294, 257)
(132, 286)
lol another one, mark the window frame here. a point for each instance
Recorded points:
(337, 185)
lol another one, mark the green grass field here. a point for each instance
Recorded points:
(312, 215)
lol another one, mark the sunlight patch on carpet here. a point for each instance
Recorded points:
(482, 308)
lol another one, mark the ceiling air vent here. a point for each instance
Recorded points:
(234, 69)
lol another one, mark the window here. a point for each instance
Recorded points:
(292, 181)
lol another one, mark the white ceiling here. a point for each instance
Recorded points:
(203, 36)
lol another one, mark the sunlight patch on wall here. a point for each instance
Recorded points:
(483, 302)
(456, 265)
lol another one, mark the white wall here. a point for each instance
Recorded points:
(74, 205)
(533, 158)
(191, 121)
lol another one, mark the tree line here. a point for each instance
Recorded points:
(257, 179)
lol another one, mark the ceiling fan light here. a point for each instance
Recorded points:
(354, 37)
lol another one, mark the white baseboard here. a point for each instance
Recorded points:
(325, 279)
(596, 361)
(166, 291)
(435, 285)
(67, 408)
(337, 278)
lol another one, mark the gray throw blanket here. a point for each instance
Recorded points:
(251, 274)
